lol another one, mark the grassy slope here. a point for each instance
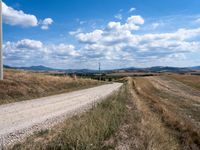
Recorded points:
(20, 85)
(122, 121)
(190, 80)
(172, 111)
(138, 117)
(88, 131)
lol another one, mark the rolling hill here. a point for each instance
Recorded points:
(150, 69)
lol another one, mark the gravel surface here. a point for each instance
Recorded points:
(18, 120)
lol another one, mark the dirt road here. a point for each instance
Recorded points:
(20, 119)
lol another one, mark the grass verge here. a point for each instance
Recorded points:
(146, 130)
(136, 117)
(86, 132)
(21, 85)
(122, 121)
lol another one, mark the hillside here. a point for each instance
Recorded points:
(149, 113)
(130, 69)
(41, 68)
(21, 85)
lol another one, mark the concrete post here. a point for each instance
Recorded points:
(1, 42)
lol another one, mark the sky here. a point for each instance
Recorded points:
(77, 34)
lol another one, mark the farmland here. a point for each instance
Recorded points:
(25, 85)
(156, 112)
(190, 80)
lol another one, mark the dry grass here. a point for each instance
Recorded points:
(139, 117)
(191, 80)
(131, 74)
(172, 112)
(145, 128)
(21, 85)
(86, 132)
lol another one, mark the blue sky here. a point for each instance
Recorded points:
(119, 33)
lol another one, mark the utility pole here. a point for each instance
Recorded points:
(99, 71)
(1, 42)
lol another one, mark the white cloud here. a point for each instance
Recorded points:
(197, 20)
(130, 25)
(179, 35)
(28, 44)
(19, 18)
(118, 16)
(63, 50)
(155, 25)
(132, 9)
(28, 52)
(114, 30)
(118, 43)
(15, 17)
(90, 37)
(75, 32)
(135, 20)
(46, 23)
(82, 22)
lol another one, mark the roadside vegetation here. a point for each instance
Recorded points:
(85, 132)
(141, 116)
(23, 85)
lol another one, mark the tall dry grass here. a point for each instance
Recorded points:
(21, 85)
(146, 127)
(169, 111)
(134, 118)
(86, 132)
(191, 80)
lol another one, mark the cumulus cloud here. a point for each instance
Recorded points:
(18, 17)
(24, 52)
(27, 52)
(179, 35)
(28, 44)
(46, 23)
(117, 42)
(131, 24)
(197, 20)
(63, 50)
(75, 32)
(90, 37)
(118, 16)
(135, 20)
(155, 25)
(113, 33)
(132, 9)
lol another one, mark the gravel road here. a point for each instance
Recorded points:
(18, 120)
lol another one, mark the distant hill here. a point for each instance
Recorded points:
(195, 68)
(33, 68)
(81, 71)
(7, 67)
(150, 69)
(131, 69)
(37, 68)
(167, 69)
(157, 69)
(44, 68)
